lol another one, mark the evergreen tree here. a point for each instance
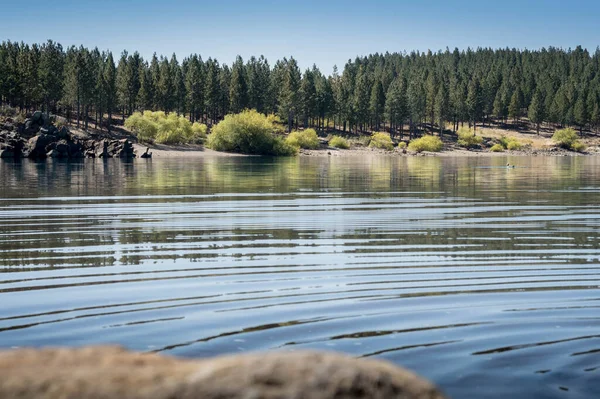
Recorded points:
(377, 104)
(535, 113)
(289, 94)
(110, 89)
(212, 89)
(238, 87)
(396, 107)
(165, 86)
(516, 104)
(51, 74)
(580, 112)
(308, 97)
(474, 102)
(442, 105)
(361, 97)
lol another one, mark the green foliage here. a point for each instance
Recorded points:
(467, 139)
(306, 139)
(497, 148)
(165, 129)
(248, 132)
(382, 141)
(339, 142)
(510, 143)
(578, 146)
(426, 143)
(565, 138)
(514, 145)
(402, 145)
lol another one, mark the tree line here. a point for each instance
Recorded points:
(415, 91)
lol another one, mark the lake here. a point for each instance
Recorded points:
(482, 278)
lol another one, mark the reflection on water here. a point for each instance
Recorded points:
(484, 279)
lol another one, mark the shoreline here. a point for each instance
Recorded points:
(194, 151)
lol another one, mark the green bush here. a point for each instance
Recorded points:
(248, 132)
(467, 139)
(198, 132)
(165, 129)
(306, 139)
(278, 126)
(402, 145)
(382, 141)
(426, 143)
(510, 143)
(567, 138)
(514, 145)
(497, 148)
(339, 142)
(578, 146)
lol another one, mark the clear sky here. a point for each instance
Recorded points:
(324, 32)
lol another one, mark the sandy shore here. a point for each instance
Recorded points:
(190, 151)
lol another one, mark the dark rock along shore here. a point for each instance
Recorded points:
(39, 138)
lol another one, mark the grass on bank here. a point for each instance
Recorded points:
(157, 126)
(248, 132)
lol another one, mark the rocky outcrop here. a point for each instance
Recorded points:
(38, 138)
(108, 372)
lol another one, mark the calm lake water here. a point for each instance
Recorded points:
(484, 279)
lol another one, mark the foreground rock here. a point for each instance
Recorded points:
(109, 372)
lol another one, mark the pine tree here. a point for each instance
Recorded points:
(474, 102)
(145, 96)
(580, 112)
(308, 97)
(110, 80)
(212, 89)
(288, 95)
(51, 74)
(165, 86)
(238, 87)
(377, 103)
(361, 97)
(396, 107)
(442, 105)
(535, 113)
(516, 104)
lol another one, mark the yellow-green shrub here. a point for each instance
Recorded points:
(248, 132)
(278, 126)
(339, 142)
(402, 145)
(165, 129)
(426, 143)
(467, 139)
(497, 148)
(382, 141)
(306, 139)
(510, 143)
(567, 138)
(198, 132)
(514, 145)
(578, 146)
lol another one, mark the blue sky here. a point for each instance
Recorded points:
(321, 32)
